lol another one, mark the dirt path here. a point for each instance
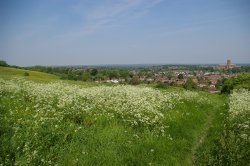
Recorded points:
(201, 139)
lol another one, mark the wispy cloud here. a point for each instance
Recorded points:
(109, 12)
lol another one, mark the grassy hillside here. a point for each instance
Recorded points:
(100, 125)
(65, 123)
(9, 73)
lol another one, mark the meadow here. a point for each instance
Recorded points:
(45, 121)
(228, 139)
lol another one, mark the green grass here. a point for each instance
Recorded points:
(224, 144)
(9, 73)
(112, 143)
(210, 144)
(106, 141)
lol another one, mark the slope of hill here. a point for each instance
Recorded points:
(8, 72)
(49, 122)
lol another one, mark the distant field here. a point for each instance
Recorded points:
(65, 123)
(8, 73)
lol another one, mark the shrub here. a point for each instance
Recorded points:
(161, 85)
(134, 82)
(26, 74)
(237, 82)
(237, 131)
(3, 63)
(190, 85)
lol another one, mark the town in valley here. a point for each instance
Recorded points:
(203, 77)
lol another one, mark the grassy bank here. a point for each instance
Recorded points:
(39, 77)
(61, 123)
(227, 141)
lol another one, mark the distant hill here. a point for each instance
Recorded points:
(8, 72)
(36, 76)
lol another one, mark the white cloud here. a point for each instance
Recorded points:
(110, 12)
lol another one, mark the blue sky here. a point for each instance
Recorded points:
(88, 32)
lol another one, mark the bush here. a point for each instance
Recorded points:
(236, 132)
(190, 85)
(3, 63)
(161, 85)
(134, 82)
(237, 82)
(26, 74)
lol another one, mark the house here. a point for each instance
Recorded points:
(211, 88)
(142, 78)
(203, 82)
(195, 80)
(202, 85)
(181, 82)
(113, 81)
(213, 77)
(214, 82)
(149, 79)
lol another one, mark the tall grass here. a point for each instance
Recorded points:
(65, 124)
(228, 141)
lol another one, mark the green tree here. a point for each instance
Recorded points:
(113, 74)
(237, 82)
(190, 85)
(100, 76)
(162, 85)
(3, 63)
(170, 75)
(124, 73)
(26, 74)
(180, 77)
(86, 76)
(93, 72)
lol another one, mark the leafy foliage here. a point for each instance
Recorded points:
(26, 74)
(190, 85)
(237, 82)
(180, 76)
(161, 85)
(3, 63)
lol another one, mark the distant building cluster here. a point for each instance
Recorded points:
(203, 79)
(227, 66)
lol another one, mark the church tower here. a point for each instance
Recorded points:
(229, 63)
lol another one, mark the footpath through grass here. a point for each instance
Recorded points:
(228, 140)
